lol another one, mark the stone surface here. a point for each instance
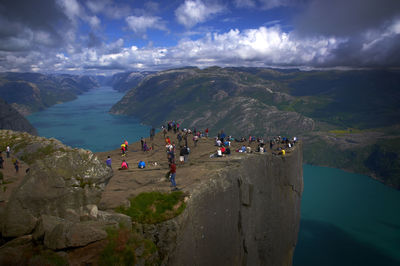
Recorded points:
(67, 235)
(114, 219)
(16, 251)
(249, 215)
(60, 185)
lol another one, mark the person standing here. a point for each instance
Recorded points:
(172, 172)
(8, 151)
(108, 161)
(1, 161)
(142, 142)
(16, 165)
(126, 145)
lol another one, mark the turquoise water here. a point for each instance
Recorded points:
(86, 123)
(346, 219)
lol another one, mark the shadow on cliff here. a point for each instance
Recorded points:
(325, 244)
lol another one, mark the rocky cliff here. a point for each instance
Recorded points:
(246, 214)
(242, 209)
(12, 119)
(53, 203)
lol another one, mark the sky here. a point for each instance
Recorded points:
(106, 36)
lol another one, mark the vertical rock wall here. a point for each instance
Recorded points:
(247, 214)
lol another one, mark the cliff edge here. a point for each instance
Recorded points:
(242, 209)
(245, 214)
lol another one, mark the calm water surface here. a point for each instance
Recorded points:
(346, 219)
(86, 123)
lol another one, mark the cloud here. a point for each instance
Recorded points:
(245, 3)
(108, 8)
(71, 8)
(21, 24)
(142, 23)
(324, 34)
(194, 12)
(344, 17)
(266, 4)
(257, 47)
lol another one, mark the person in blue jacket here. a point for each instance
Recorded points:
(141, 164)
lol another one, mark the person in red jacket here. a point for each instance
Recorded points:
(124, 165)
(172, 172)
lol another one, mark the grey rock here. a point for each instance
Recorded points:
(50, 187)
(115, 219)
(16, 251)
(67, 234)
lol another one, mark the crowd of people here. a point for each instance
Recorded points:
(226, 144)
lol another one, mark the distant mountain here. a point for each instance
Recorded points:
(13, 120)
(215, 98)
(349, 119)
(32, 92)
(125, 81)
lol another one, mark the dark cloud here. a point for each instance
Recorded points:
(39, 14)
(344, 17)
(26, 25)
(384, 53)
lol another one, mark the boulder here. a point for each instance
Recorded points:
(67, 184)
(16, 251)
(115, 219)
(67, 235)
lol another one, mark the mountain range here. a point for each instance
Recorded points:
(32, 92)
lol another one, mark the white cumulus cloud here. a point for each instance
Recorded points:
(140, 24)
(192, 12)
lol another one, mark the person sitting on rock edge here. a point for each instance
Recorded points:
(141, 164)
(124, 165)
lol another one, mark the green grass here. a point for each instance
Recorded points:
(123, 246)
(154, 207)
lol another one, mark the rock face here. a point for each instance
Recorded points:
(11, 119)
(247, 215)
(60, 185)
(57, 198)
